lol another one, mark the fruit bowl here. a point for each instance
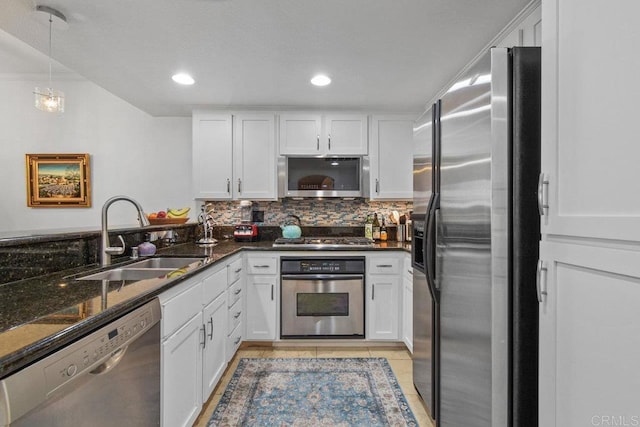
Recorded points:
(162, 221)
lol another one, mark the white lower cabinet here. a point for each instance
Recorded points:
(407, 303)
(261, 307)
(214, 359)
(262, 291)
(382, 297)
(235, 308)
(589, 329)
(194, 324)
(181, 384)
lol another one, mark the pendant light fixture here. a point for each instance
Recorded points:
(49, 99)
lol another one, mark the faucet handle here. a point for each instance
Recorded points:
(116, 250)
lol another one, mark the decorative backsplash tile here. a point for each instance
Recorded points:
(325, 212)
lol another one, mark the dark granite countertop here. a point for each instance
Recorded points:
(41, 314)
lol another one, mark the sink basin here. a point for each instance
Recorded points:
(164, 262)
(129, 274)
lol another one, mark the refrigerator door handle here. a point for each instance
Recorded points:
(430, 243)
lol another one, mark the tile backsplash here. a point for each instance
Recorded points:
(312, 212)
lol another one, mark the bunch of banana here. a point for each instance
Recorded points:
(178, 213)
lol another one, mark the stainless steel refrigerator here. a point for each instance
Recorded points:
(475, 245)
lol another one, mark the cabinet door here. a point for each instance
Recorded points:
(214, 360)
(261, 308)
(300, 134)
(527, 33)
(212, 156)
(391, 157)
(346, 134)
(254, 144)
(589, 329)
(383, 307)
(589, 119)
(181, 392)
(407, 303)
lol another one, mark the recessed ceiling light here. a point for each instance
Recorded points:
(320, 80)
(183, 79)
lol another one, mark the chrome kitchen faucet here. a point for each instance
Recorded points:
(106, 250)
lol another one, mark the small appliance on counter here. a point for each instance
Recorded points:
(246, 231)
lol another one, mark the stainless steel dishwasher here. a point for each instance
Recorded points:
(109, 377)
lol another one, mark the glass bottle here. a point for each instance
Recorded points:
(383, 231)
(376, 227)
(368, 227)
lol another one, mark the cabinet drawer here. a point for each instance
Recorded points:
(235, 271)
(262, 265)
(384, 266)
(214, 285)
(234, 340)
(179, 309)
(234, 293)
(234, 317)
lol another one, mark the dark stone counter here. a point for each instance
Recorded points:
(43, 313)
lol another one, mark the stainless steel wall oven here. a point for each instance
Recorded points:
(322, 297)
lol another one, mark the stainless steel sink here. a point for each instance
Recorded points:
(129, 274)
(164, 262)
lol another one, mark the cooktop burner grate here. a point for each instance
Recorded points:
(324, 242)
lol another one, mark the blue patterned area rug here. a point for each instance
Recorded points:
(313, 392)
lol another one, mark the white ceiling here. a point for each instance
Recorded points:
(391, 55)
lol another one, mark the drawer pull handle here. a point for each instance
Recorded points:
(237, 341)
(237, 315)
(384, 265)
(238, 270)
(373, 292)
(211, 324)
(410, 272)
(237, 291)
(261, 266)
(272, 286)
(204, 337)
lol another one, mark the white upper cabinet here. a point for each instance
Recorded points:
(254, 153)
(234, 156)
(315, 134)
(589, 119)
(527, 32)
(346, 134)
(300, 133)
(212, 152)
(391, 158)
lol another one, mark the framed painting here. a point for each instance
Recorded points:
(58, 181)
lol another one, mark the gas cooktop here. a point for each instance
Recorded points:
(323, 242)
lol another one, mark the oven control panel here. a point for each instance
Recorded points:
(334, 265)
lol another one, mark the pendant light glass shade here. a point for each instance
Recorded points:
(49, 99)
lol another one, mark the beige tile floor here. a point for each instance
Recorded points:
(399, 359)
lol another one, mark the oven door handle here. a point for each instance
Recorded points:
(310, 277)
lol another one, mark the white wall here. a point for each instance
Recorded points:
(132, 153)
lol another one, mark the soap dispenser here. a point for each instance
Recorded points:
(147, 248)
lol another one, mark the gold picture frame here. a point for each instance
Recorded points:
(58, 181)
